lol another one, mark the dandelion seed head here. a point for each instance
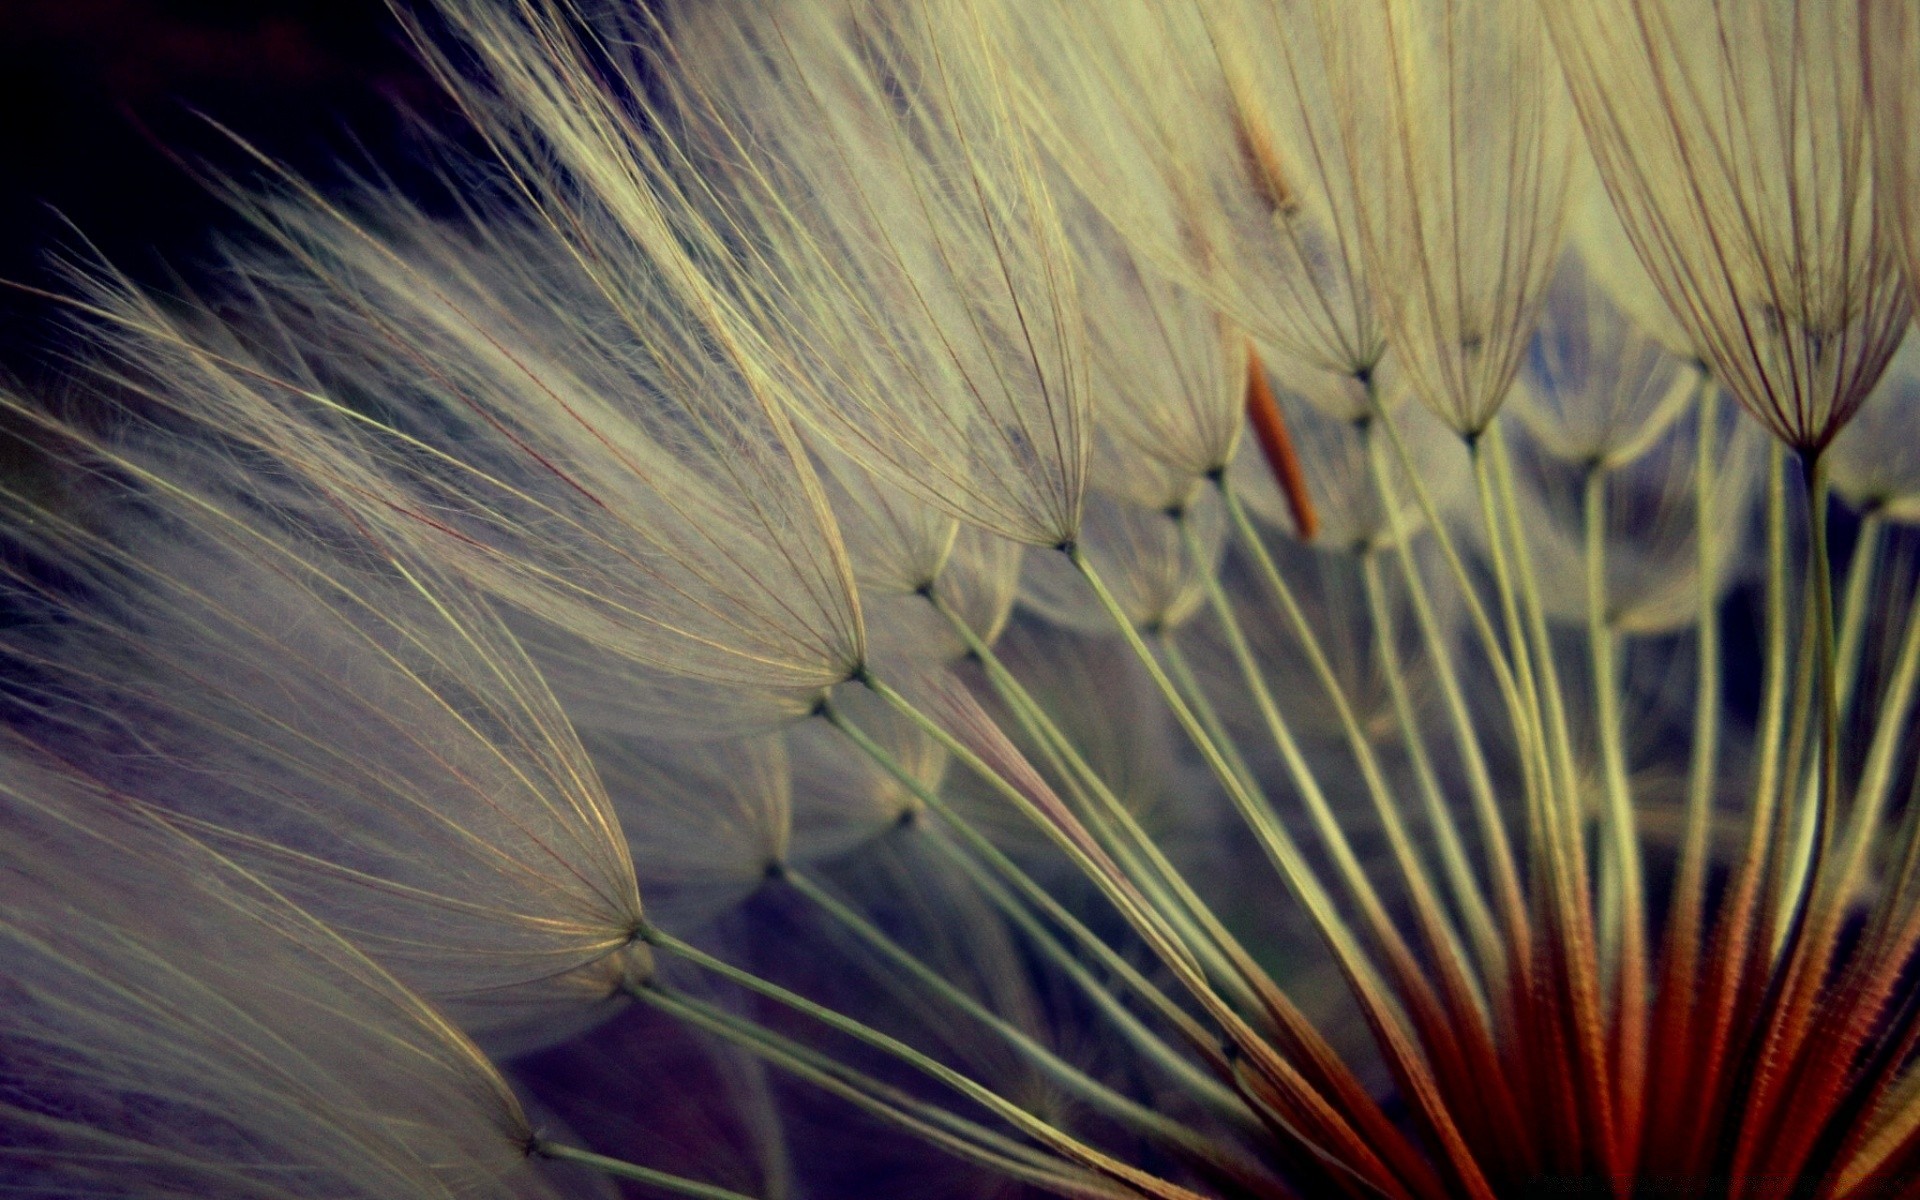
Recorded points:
(795, 473)
(1142, 553)
(174, 1028)
(1739, 165)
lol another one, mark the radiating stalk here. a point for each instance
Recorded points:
(1222, 1100)
(988, 865)
(947, 1131)
(1862, 571)
(1463, 883)
(1452, 1024)
(1581, 952)
(1189, 683)
(1816, 900)
(1308, 1106)
(620, 1169)
(1820, 581)
(1827, 1079)
(1052, 818)
(1491, 821)
(1623, 859)
(1734, 955)
(1041, 1131)
(1148, 866)
(1077, 1082)
(1396, 1043)
(1547, 821)
(1188, 680)
(1444, 940)
(1541, 659)
(1810, 797)
(1893, 725)
(1497, 660)
(978, 845)
(1686, 915)
(1273, 836)
(1558, 838)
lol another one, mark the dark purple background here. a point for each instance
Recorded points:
(98, 104)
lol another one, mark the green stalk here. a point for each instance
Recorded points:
(1273, 837)
(1123, 1109)
(1776, 724)
(1395, 1041)
(1453, 854)
(1891, 727)
(1443, 938)
(1488, 816)
(1810, 778)
(1550, 701)
(1222, 1100)
(1309, 1107)
(1687, 906)
(620, 1169)
(947, 1131)
(1181, 669)
(1564, 837)
(983, 849)
(1623, 861)
(1027, 1123)
(1503, 668)
(1226, 959)
(1548, 822)
(1862, 569)
(1820, 580)
(1677, 997)
(1736, 956)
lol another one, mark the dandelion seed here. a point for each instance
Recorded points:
(1733, 139)
(824, 422)
(174, 1028)
(338, 717)
(1458, 144)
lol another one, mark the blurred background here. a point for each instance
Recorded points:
(104, 108)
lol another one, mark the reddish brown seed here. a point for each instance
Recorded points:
(1270, 429)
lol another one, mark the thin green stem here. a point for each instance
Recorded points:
(1563, 839)
(1503, 668)
(1891, 728)
(1443, 939)
(1820, 581)
(945, 1130)
(1862, 570)
(621, 1169)
(1306, 1104)
(1180, 667)
(1735, 954)
(1279, 845)
(1689, 893)
(1771, 742)
(1464, 885)
(1810, 910)
(1550, 827)
(1395, 1041)
(983, 849)
(1550, 701)
(1678, 995)
(1123, 1109)
(1438, 642)
(1222, 1100)
(1147, 866)
(1628, 937)
(1810, 777)
(1041, 1131)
